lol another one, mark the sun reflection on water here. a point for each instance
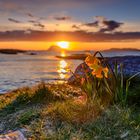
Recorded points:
(63, 69)
(63, 54)
(63, 64)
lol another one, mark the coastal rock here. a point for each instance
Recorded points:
(131, 66)
(16, 135)
(79, 73)
(11, 51)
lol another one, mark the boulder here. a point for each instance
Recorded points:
(15, 135)
(79, 73)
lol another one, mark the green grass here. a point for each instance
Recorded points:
(72, 112)
(40, 94)
(27, 117)
(26, 104)
(115, 123)
(49, 112)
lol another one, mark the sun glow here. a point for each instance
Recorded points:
(63, 54)
(63, 44)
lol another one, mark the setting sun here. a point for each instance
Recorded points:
(63, 44)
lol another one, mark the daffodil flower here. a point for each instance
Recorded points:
(95, 64)
(92, 60)
(100, 71)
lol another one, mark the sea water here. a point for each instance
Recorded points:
(25, 70)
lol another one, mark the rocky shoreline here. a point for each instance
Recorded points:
(131, 66)
(11, 51)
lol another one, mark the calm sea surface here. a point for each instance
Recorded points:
(25, 70)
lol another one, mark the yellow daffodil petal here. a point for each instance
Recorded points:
(95, 64)
(99, 72)
(105, 70)
(90, 60)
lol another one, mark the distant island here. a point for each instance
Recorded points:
(11, 51)
(55, 48)
(121, 49)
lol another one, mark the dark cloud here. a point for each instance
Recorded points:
(103, 24)
(36, 18)
(110, 25)
(62, 18)
(39, 25)
(32, 21)
(91, 24)
(36, 23)
(76, 27)
(14, 20)
(81, 36)
(30, 15)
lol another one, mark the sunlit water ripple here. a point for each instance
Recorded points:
(25, 70)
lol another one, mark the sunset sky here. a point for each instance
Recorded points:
(87, 24)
